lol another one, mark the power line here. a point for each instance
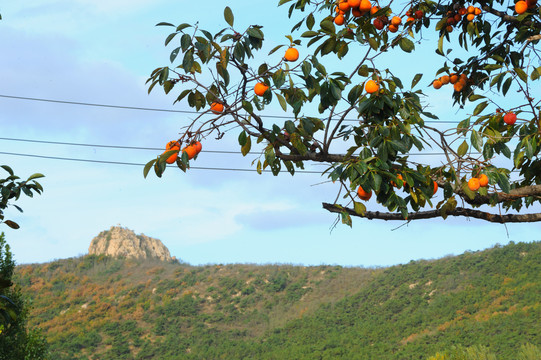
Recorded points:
(153, 149)
(125, 107)
(140, 164)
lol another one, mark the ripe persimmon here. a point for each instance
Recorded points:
(471, 9)
(260, 88)
(191, 151)
(363, 194)
(510, 118)
(217, 107)
(399, 176)
(339, 19)
(531, 3)
(371, 86)
(173, 157)
(172, 144)
(473, 184)
(521, 7)
(483, 180)
(374, 9)
(365, 5)
(445, 79)
(419, 14)
(453, 78)
(393, 28)
(437, 84)
(435, 187)
(378, 24)
(396, 20)
(354, 3)
(198, 147)
(292, 54)
(356, 12)
(344, 6)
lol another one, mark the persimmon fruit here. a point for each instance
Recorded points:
(260, 88)
(292, 54)
(510, 118)
(473, 184)
(217, 108)
(363, 194)
(371, 86)
(339, 19)
(483, 180)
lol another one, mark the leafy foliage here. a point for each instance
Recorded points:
(331, 111)
(16, 341)
(95, 306)
(11, 189)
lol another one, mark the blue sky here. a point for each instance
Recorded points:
(102, 52)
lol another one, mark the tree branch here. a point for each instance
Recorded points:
(459, 211)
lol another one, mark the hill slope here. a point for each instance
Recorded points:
(95, 307)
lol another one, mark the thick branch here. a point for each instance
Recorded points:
(459, 211)
(525, 191)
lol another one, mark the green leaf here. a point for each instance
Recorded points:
(165, 24)
(35, 176)
(506, 85)
(346, 219)
(242, 138)
(406, 45)
(503, 182)
(147, 167)
(296, 140)
(536, 73)
(462, 149)
(310, 21)
(228, 16)
(416, 80)
(476, 140)
(475, 97)
(521, 74)
(246, 105)
(309, 34)
(359, 208)
(479, 108)
(440, 45)
(255, 32)
(245, 149)
(282, 101)
(169, 38)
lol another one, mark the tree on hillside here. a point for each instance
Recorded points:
(366, 122)
(16, 341)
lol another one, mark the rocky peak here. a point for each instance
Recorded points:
(122, 242)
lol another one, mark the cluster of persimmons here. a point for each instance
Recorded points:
(191, 150)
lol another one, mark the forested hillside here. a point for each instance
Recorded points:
(96, 307)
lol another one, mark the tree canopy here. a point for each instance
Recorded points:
(368, 122)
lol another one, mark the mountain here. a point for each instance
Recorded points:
(485, 304)
(122, 242)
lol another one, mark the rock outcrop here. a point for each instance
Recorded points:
(122, 242)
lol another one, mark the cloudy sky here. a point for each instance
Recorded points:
(101, 52)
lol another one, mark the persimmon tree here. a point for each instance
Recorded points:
(368, 122)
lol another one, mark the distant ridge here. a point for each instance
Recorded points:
(122, 242)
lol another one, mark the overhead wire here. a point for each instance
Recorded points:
(140, 164)
(151, 148)
(125, 107)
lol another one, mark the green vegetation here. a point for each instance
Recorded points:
(483, 304)
(16, 341)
